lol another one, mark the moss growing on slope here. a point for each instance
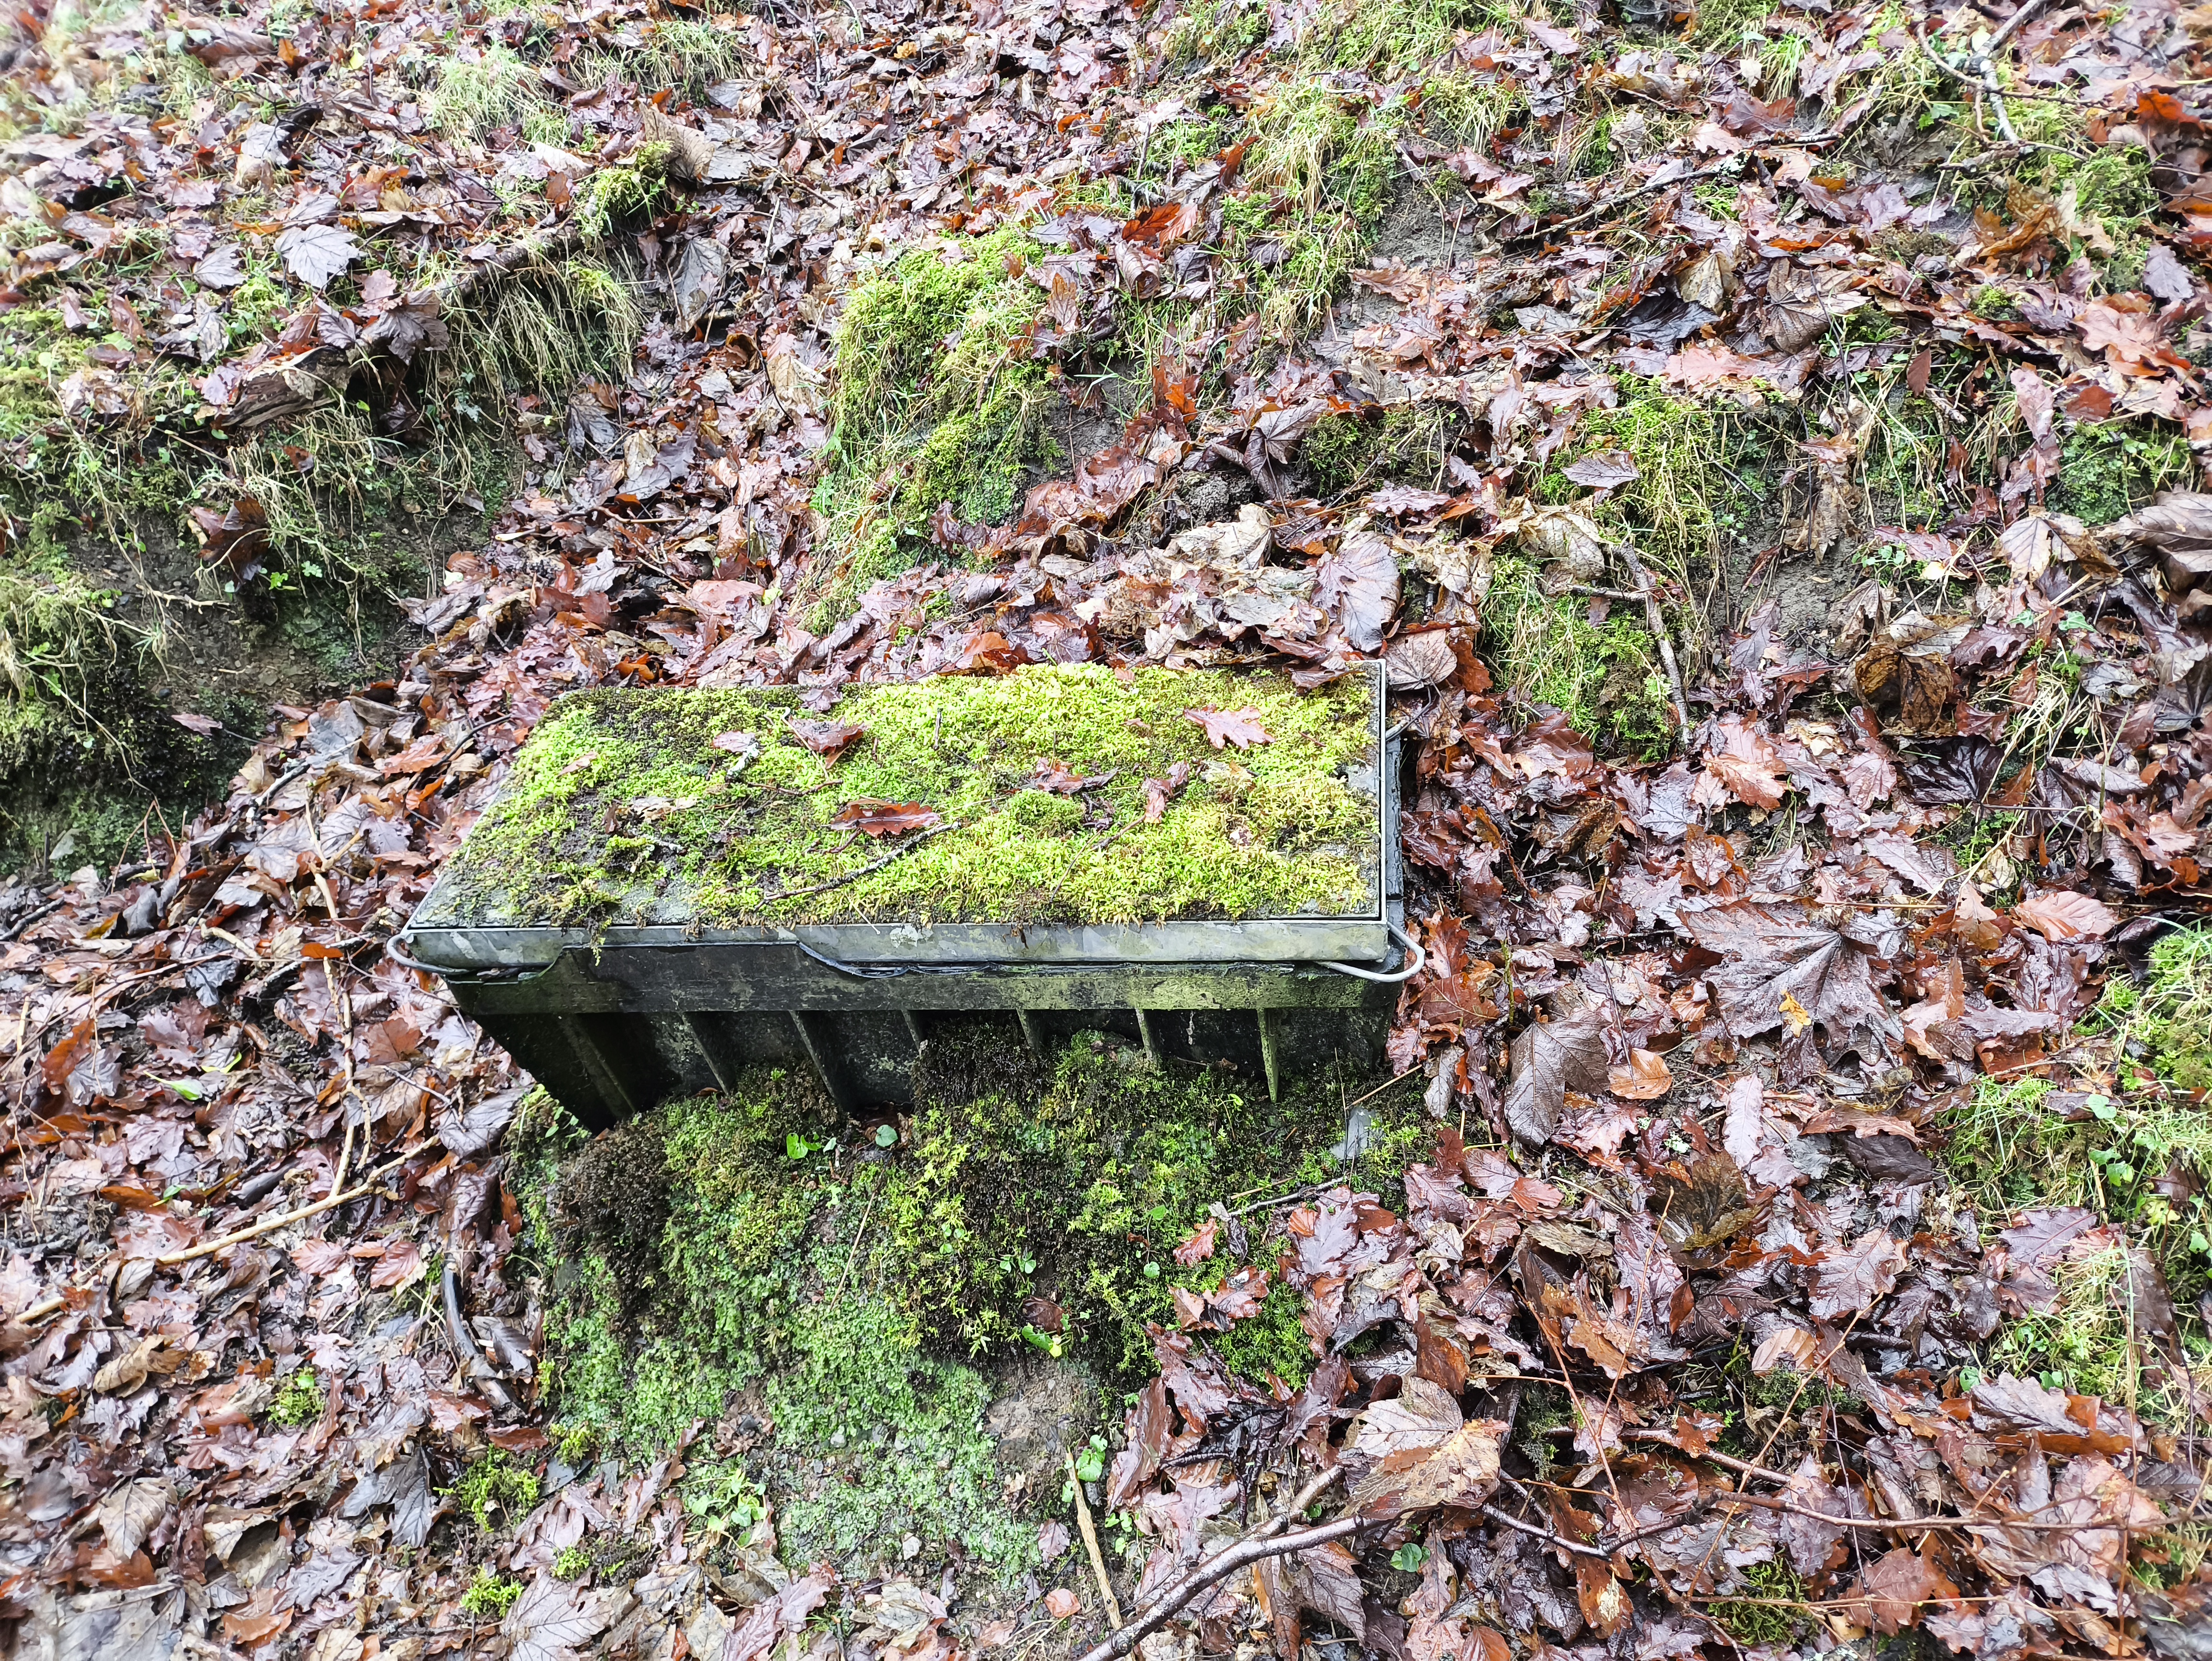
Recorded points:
(1604, 678)
(623, 806)
(794, 1272)
(2137, 1152)
(937, 400)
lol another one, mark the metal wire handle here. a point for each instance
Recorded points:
(1419, 961)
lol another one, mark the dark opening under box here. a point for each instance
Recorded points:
(672, 885)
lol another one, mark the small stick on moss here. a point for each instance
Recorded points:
(906, 847)
(1657, 624)
(1091, 1543)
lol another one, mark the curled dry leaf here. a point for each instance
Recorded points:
(1912, 692)
(1158, 792)
(1061, 1604)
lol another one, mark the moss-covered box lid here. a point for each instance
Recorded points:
(1052, 797)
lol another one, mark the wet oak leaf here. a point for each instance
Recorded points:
(826, 738)
(1850, 1280)
(884, 819)
(1240, 728)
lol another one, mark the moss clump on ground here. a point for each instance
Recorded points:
(845, 1296)
(76, 664)
(623, 806)
(1692, 459)
(2138, 1153)
(1604, 678)
(938, 399)
(2107, 471)
(299, 1401)
(1771, 1610)
(1349, 453)
(489, 1596)
(495, 1493)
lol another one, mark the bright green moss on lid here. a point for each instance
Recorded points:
(623, 808)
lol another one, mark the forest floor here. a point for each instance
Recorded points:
(1761, 441)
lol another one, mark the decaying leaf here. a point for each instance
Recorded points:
(884, 819)
(1158, 792)
(1240, 728)
(826, 738)
(1914, 693)
(1549, 1059)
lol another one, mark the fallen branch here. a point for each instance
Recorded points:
(1537, 1532)
(1981, 86)
(46, 1306)
(1252, 1548)
(1657, 623)
(270, 1225)
(1091, 1543)
(1745, 1468)
(36, 914)
(1766, 1504)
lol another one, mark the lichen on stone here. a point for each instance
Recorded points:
(706, 807)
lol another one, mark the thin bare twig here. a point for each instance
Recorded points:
(1254, 1546)
(1657, 623)
(1091, 1543)
(270, 1225)
(899, 852)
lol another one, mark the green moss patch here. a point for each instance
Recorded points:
(845, 1311)
(705, 807)
(1604, 678)
(938, 400)
(2134, 1145)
